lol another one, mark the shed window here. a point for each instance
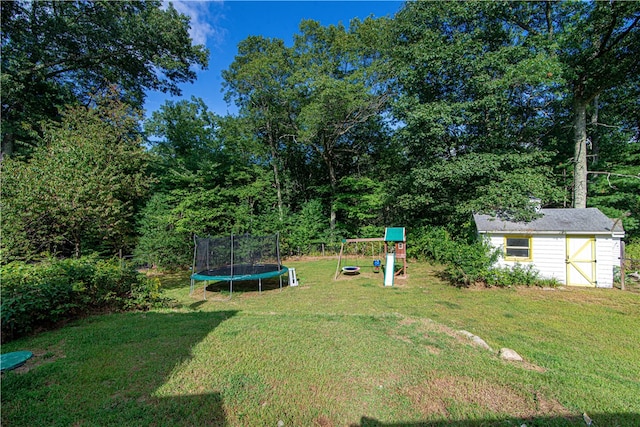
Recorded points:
(517, 248)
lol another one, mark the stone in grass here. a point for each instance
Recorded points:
(476, 340)
(510, 355)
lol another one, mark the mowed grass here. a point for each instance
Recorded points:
(339, 353)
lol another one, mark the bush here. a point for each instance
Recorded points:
(632, 251)
(43, 294)
(518, 275)
(468, 263)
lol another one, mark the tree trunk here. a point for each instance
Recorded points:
(274, 161)
(276, 179)
(333, 183)
(580, 154)
(595, 139)
(7, 145)
(334, 191)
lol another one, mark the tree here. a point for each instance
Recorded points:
(502, 78)
(80, 188)
(56, 52)
(341, 89)
(184, 144)
(258, 82)
(473, 110)
(596, 45)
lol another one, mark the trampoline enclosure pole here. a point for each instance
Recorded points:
(231, 281)
(193, 266)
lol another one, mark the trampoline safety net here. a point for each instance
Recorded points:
(236, 256)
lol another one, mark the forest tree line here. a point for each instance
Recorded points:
(416, 120)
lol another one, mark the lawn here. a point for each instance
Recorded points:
(339, 353)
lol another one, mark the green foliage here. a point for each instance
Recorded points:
(518, 275)
(184, 143)
(617, 194)
(54, 53)
(359, 205)
(466, 263)
(160, 243)
(307, 226)
(447, 192)
(80, 190)
(632, 250)
(46, 293)
(469, 263)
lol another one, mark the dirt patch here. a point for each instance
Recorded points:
(41, 357)
(322, 421)
(433, 398)
(529, 366)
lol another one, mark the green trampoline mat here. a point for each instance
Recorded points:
(10, 361)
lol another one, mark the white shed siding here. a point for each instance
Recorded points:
(605, 261)
(549, 255)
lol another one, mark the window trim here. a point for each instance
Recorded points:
(518, 258)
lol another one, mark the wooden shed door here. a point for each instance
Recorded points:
(581, 260)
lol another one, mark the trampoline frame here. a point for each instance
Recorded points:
(199, 276)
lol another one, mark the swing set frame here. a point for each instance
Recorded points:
(356, 241)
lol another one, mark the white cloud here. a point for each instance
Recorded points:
(204, 22)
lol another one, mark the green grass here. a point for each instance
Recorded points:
(332, 353)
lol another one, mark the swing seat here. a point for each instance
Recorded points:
(349, 269)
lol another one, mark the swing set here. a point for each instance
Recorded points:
(360, 253)
(355, 252)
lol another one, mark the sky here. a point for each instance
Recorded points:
(221, 25)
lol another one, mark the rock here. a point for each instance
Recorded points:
(476, 340)
(510, 355)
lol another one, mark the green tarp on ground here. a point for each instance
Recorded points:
(10, 361)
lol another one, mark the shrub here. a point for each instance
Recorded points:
(468, 263)
(632, 251)
(518, 275)
(43, 294)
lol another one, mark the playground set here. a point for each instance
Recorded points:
(395, 248)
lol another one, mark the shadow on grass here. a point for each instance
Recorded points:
(604, 419)
(244, 286)
(110, 370)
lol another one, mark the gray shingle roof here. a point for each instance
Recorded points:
(589, 220)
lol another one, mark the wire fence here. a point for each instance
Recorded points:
(313, 250)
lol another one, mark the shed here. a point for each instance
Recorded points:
(577, 247)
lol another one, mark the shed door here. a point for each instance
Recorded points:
(581, 260)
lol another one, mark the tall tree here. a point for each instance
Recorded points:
(80, 189)
(472, 103)
(258, 82)
(55, 52)
(509, 77)
(184, 141)
(341, 89)
(596, 44)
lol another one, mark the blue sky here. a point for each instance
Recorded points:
(221, 25)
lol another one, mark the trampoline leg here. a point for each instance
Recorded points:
(280, 277)
(204, 290)
(260, 285)
(230, 288)
(191, 287)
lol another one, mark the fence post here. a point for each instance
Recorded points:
(622, 261)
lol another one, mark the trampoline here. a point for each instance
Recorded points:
(236, 258)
